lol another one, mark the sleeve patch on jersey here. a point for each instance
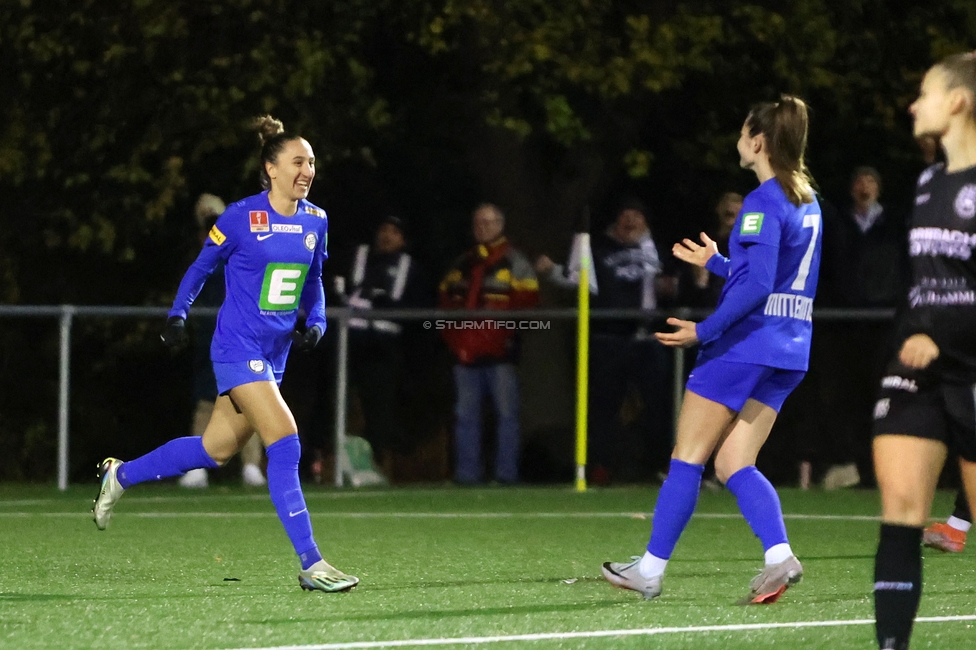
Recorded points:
(259, 221)
(751, 223)
(216, 236)
(315, 211)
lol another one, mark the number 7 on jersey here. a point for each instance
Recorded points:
(800, 282)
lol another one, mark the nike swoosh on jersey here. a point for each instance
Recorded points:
(295, 514)
(263, 237)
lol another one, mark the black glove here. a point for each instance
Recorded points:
(305, 342)
(174, 334)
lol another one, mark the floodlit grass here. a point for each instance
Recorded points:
(213, 569)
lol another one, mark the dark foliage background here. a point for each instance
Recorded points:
(116, 114)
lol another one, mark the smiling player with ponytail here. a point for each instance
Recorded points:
(273, 245)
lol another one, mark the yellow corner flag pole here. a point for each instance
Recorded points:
(582, 359)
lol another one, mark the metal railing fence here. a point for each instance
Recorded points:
(338, 318)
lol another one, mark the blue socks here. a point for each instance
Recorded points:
(676, 502)
(179, 456)
(675, 505)
(287, 497)
(175, 458)
(760, 505)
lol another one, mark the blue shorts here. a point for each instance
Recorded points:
(731, 383)
(235, 373)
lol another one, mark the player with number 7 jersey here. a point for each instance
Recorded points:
(774, 244)
(755, 350)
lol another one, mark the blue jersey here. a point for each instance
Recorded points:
(765, 312)
(273, 266)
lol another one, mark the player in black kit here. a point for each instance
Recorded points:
(926, 402)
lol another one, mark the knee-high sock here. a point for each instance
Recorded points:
(287, 497)
(675, 504)
(962, 510)
(760, 505)
(897, 584)
(175, 458)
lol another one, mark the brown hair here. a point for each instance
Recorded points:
(960, 71)
(273, 139)
(785, 124)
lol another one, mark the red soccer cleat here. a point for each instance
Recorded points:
(944, 537)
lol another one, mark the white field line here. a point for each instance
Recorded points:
(430, 515)
(310, 495)
(195, 498)
(552, 636)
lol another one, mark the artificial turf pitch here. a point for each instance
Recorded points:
(494, 568)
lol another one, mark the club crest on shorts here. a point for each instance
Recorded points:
(310, 240)
(256, 365)
(881, 408)
(965, 203)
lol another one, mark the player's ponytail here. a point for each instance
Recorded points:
(785, 124)
(960, 72)
(273, 138)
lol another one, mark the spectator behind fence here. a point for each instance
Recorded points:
(700, 288)
(383, 276)
(201, 330)
(865, 265)
(623, 352)
(492, 275)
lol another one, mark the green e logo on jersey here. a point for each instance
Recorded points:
(282, 286)
(751, 223)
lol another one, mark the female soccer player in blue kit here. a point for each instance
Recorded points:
(755, 350)
(273, 245)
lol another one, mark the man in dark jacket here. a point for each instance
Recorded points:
(865, 265)
(382, 276)
(623, 352)
(865, 251)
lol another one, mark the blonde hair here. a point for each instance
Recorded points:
(785, 124)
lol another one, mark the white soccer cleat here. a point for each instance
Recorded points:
(195, 478)
(322, 576)
(769, 585)
(110, 492)
(251, 475)
(627, 575)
